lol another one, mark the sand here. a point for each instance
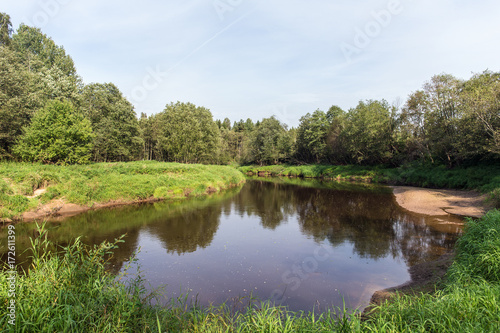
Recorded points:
(441, 202)
(425, 277)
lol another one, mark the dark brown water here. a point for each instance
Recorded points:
(308, 245)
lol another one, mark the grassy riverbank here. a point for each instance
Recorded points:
(484, 178)
(74, 292)
(100, 183)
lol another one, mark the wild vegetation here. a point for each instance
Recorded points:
(446, 134)
(72, 291)
(450, 121)
(103, 182)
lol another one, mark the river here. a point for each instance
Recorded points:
(308, 245)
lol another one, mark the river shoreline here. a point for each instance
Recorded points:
(427, 277)
(440, 202)
(58, 210)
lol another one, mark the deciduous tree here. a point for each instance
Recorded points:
(57, 134)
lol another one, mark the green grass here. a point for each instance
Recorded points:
(73, 292)
(484, 177)
(103, 182)
(470, 300)
(70, 290)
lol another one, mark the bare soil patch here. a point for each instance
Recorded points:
(427, 277)
(441, 202)
(59, 209)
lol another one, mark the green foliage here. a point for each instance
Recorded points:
(478, 251)
(187, 133)
(19, 98)
(31, 43)
(114, 123)
(480, 103)
(449, 121)
(33, 70)
(58, 135)
(5, 29)
(312, 137)
(368, 133)
(269, 143)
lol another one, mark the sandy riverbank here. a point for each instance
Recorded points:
(441, 202)
(59, 209)
(425, 277)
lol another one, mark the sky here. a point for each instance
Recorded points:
(254, 58)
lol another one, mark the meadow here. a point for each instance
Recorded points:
(98, 183)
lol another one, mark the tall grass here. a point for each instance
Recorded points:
(104, 182)
(71, 291)
(470, 300)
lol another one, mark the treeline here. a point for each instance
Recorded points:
(48, 115)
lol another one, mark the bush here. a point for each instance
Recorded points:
(57, 134)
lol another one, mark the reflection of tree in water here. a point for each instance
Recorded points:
(371, 221)
(96, 227)
(361, 218)
(418, 241)
(269, 201)
(188, 231)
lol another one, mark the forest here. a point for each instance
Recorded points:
(49, 115)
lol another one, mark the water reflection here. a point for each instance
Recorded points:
(312, 243)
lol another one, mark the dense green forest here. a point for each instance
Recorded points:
(49, 115)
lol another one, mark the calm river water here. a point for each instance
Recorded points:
(304, 244)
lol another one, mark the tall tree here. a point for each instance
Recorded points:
(269, 143)
(146, 127)
(54, 70)
(20, 96)
(187, 133)
(480, 125)
(335, 149)
(441, 114)
(368, 132)
(412, 128)
(5, 29)
(312, 137)
(114, 123)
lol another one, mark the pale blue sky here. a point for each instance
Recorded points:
(256, 58)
